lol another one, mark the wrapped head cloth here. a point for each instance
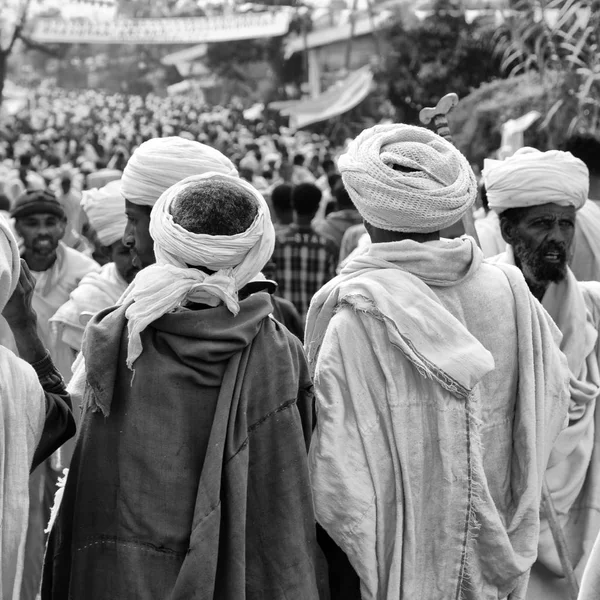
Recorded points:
(162, 162)
(10, 264)
(233, 260)
(105, 210)
(531, 178)
(407, 179)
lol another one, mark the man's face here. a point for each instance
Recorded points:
(41, 233)
(542, 242)
(123, 259)
(137, 235)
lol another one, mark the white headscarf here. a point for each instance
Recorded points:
(439, 188)
(161, 162)
(236, 260)
(10, 263)
(105, 209)
(531, 178)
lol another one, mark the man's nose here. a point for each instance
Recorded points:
(128, 239)
(557, 234)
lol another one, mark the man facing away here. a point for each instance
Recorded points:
(439, 387)
(537, 195)
(190, 474)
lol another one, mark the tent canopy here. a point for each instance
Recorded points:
(337, 100)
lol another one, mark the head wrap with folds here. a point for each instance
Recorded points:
(531, 178)
(105, 209)
(161, 162)
(235, 260)
(10, 263)
(433, 187)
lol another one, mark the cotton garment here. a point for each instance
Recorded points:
(573, 473)
(95, 292)
(202, 493)
(489, 234)
(434, 423)
(590, 582)
(337, 223)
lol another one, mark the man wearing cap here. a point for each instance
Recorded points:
(190, 476)
(439, 388)
(536, 195)
(40, 222)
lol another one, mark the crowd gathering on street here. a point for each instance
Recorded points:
(246, 363)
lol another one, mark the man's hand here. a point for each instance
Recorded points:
(18, 311)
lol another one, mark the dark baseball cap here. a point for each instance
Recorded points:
(37, 202)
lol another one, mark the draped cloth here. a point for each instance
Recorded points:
(532, 178)
(235, 260)
(430, 448)
(95, 292)
(22, 413)
(406, 178)
(161, 162)
(105, 210)
(574, 465)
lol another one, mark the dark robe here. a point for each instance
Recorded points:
(190, 480)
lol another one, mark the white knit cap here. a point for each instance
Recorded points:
(235, 260)
(10, 263)
(162, 162)
(436, 191)
(532, 178)
(105, 209)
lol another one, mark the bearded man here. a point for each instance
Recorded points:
(537, 195)
(190, 474)
(434, 424)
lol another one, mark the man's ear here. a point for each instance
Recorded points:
(508, 231)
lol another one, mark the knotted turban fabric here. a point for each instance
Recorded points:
(407, 179)
(105, 210)
(235, 260)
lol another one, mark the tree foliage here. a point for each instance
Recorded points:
(559, 41)
(441, 54)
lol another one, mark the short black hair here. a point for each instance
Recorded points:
(299, 159)
(514, 215)
(306, 198)
(585, 147)
(281, 198)
(327, 164)
(214, 208)
(342, 197)
(333, 180)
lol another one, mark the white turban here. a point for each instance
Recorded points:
(438, 189)
(236, 260)
(530, 178)
(162, 162)
(10, 263)
(105, 209)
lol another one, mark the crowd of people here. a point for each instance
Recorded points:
(243, 363)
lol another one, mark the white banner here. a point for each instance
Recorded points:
(192, 30)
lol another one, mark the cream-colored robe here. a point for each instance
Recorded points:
(440, 391)
(573, 473)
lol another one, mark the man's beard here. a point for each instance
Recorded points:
(536, 264)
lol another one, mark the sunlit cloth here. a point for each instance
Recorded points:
(95, 292)
(162, 162)
(22, 412)
(426, 413)
(575, 458)
(431, 187)
(235, 260)
(532, 178)
(105, 209)
(490, 235)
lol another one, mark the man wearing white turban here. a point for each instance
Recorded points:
(439, 389)
(536, 195)
(155, 166)
(190, 473)
(34, 411)
(105, 211)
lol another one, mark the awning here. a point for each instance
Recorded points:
(337, 100)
